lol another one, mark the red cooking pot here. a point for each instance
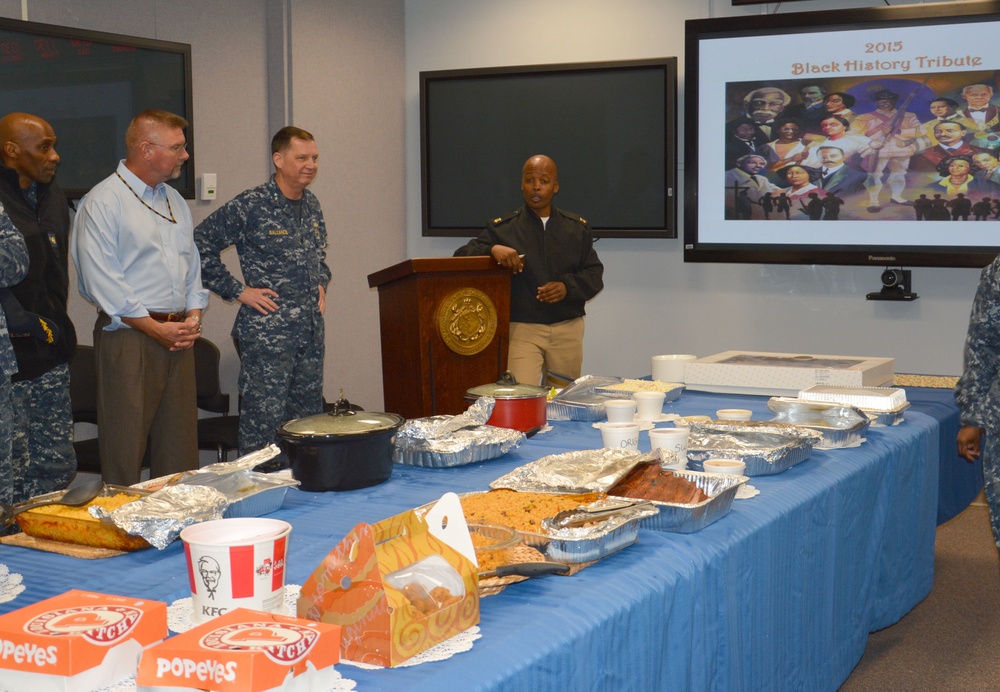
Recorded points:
(519, 406)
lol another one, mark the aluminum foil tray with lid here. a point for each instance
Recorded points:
(580, 400)
(685, 516)
(884, 406)
(839, 424)
(765, 447)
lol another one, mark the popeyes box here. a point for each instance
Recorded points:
(77, 641)
(246, 651)
(397, 587)
(783, 374)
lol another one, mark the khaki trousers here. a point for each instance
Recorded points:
(143, 391)
(554, 351)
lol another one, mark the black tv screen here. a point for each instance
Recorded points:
(909, 173)
(89, 86)
(610, 127)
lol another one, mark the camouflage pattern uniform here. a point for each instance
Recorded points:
(281, 353)
(978, 391)
(13, 267)
(44, 459)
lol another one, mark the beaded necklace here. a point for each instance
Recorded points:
(170, 218)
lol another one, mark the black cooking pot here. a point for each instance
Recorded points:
(343, 449)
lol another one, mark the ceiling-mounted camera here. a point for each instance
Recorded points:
(895, 286)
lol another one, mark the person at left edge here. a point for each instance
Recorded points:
(42, 453)
(134, 251)
(13, 268)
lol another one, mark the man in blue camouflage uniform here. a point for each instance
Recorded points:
(978, 391)
(42, 453)
(13, 267)
(280, 236)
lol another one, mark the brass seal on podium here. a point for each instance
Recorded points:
(467, 321)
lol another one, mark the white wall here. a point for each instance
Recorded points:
(653, 302)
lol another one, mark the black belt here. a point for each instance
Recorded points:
(168, 316)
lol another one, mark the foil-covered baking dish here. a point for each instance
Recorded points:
(840, 425)
(680, 518)
(765, 447)
(425, 442)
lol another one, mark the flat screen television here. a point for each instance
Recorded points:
(609, 126)
(89, 86)
(862, 119)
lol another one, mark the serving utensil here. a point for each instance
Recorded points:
(74, 497)
(595, 511)
(526, 569)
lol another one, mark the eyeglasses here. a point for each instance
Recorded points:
(175, 149)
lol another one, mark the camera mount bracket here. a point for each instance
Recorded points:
(896, 285)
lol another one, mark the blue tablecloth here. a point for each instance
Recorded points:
(779, 594)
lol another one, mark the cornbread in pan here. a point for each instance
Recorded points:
(75, 525)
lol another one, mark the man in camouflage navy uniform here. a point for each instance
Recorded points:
(43, 456)
(556, 271)
(978, 391)
(280, 236)
(13, 267)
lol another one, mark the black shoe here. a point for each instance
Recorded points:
(874, 209)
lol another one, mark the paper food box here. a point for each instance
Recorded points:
(77, 641)
(783, 374)
(397, 587)
(246, 651)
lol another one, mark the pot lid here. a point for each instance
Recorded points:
(342, 420)
(508, 388)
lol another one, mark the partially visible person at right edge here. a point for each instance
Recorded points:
(978, 391)
(13, 268)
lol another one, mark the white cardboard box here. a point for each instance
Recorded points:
(784, 374)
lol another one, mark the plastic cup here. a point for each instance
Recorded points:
(670, 368)
(236, 563)
(620, 410)
(649, 405)
(620, 435)
(727, 466)
(673, 440)
(734, 414)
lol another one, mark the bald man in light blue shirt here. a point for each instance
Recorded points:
(135, 256)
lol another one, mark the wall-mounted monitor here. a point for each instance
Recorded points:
(610, 128)
(89, 86)
(867, 137)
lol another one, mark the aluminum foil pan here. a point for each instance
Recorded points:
(580, 400)
(885, 419)
(626, 388)
(839, 424)
(580, 471)
(445, 441)
(676, 518)
(161, 516)
(765, 447)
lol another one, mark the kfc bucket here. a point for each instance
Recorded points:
(236, 563)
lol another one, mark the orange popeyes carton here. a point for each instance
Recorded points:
(79, 640)
(397, 587)
(246, 651)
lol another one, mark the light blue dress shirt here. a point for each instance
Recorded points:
(129, 260)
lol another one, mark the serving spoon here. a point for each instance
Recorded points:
(74, 497)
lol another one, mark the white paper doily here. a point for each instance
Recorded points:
(10, 584)
(461, 642)
(645, 424)
(746, 491)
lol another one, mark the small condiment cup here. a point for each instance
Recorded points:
(620, 410)
(620, 435)
(734, 414)
(726, 466)
(649, 405)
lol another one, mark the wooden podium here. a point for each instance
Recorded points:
(444, 324)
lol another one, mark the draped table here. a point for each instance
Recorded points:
(779, 594)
